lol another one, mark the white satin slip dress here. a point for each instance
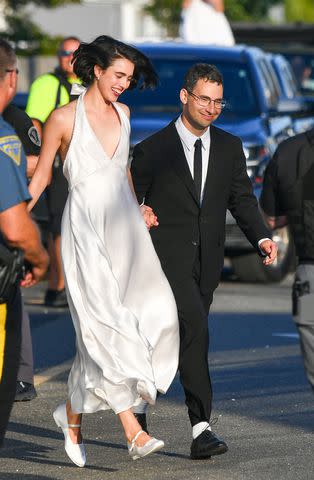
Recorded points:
(121, 304)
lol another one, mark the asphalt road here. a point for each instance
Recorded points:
(262, 402)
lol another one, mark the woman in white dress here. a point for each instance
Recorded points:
(121, 304)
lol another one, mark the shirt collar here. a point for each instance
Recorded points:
(188, 138)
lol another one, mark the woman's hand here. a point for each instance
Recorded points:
(149, 216)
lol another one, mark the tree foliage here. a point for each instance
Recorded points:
(167, 13)
(299, 11)
(16, 5)
(25, 34)
(248, 10)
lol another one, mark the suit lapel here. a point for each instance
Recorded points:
(179, 162)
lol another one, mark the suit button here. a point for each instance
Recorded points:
(195, 243)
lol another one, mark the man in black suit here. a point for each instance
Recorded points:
(189, 173)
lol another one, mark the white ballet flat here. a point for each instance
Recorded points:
(75, 451)
(153, 445)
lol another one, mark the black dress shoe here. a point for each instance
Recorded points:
(206, 445)
(56, 298)
(24, 392)
(141, 418)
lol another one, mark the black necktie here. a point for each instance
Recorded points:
(198, 168)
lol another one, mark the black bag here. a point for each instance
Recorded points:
(11, 271)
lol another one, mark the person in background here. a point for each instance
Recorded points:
(204, 22)
(28, 135)
(48, 92)
(17, 230)
(288, 199)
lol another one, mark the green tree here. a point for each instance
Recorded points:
(166, 13)
(25, 34)
(248, 10)
(299, 11)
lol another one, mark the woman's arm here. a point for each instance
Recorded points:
(52, 136)
(146, 211)
(128, 172)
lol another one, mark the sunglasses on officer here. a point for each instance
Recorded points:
(16, 70)
(65, 53)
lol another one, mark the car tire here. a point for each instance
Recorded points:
(250, 268)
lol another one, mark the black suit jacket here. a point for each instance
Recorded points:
(162, 177)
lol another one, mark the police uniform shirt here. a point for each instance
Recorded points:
(13, 181)
(24, 128)
(43, 94)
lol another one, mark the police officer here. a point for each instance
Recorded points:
(47, 92)
(16, 230)
(27, 133)
(288, 198)
(30, 140)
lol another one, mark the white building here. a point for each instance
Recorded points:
(123, 19)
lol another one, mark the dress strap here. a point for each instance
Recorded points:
(122, 115)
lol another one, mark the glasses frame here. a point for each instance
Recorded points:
(205, 103)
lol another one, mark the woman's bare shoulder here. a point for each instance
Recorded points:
(125, 108)
(63, 116)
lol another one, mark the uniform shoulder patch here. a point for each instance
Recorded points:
(11, 146)
(34, 136)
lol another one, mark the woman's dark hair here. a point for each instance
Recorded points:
(103, 51)
(203, 71)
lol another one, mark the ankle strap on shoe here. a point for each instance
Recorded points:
(135, 438)
(72, 425)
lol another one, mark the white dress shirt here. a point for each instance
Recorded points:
(188, 140)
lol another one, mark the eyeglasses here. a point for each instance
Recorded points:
(65, 53)
(219, 103)
(16, 70)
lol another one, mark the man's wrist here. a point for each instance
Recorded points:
(259, 245)
(43, 260)
(263, 240)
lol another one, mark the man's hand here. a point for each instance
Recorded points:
(149, 216)
(36, 273)
(270, 249)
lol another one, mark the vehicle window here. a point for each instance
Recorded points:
(238, 89)
(303, 67)
(273, 87)
(289, 85)
(292, 79)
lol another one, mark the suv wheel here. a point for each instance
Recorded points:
(250, 268)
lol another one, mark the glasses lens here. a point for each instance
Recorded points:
(65, 53)
(203, 102)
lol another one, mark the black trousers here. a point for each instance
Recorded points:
(10, 339)
(193, 309)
